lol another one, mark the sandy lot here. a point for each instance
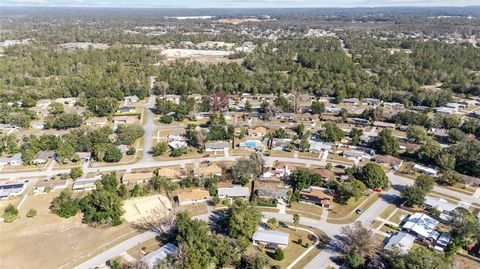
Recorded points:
(49, 241)
(139, 208)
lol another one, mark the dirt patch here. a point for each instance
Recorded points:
(139, 208)
(49, 241)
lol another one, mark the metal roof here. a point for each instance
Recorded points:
(235, 191)
(269, 236)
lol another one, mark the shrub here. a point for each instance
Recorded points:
(10, 213)
(31, 213)
(131, 151)
(279, 254)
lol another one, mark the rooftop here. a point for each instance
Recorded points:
(193, 194)
(271, 237)
(401, 241)
(422, 225)
(235, 191)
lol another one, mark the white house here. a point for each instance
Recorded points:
(318, 147)
(442, 242)
(12, 188)
(217, 146)
(193, 196)
(86, 184)
(425, 170)
(401, 241)
(153, 258)
(131, 99)
(422, 226)
(271, 239)
(176, 144)
(234, 192)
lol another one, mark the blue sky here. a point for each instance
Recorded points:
(237, 3)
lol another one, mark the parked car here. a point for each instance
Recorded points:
(359, 211)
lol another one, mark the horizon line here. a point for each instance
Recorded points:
(251, 7)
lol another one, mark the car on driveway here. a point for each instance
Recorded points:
(359, 211)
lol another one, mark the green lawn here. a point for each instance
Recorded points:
(352, 216)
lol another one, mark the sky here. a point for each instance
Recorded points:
(236, 3)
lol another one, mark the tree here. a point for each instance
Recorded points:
(112, 154)
(31, 213)
(243, 219)
(385, 143)
(419, 257)
(67, 120)
(178, 152)
(163, 106)
(248, 167)
(159, 149)
(8, 144)
(355, 260)
(428, 151)
(296, 220)
(445, 161)
(102, 106)
(218, 101)
(355, 134)
(413, 195)
(272, 223)
(373, 176)
(76, 172)
(126, 135)
(347, 189)
(467, 157)
(10, 213)
(104, 204)
(258, 261)
(317, 107)
(358, 239)
(331, 132)
(167, 119)
(456, 135)
(416, 134)
(450, 177)
(466, 228)
(279, 254)
(65, 152)
(424, 182)
(64, 205)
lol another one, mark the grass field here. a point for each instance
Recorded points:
(305, 210)
(352, 216)
(49, 241)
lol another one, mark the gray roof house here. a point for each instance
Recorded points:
(422, 226)
(401, 241)
(271, 239)
(43, 156)
(214, 146)
(155, 257)
(234, 192)
(280, 193)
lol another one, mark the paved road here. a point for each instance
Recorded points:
(149, 124)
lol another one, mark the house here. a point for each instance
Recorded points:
(371, 101)
(324, 173)
(281, 194)
(445, 110)
(43, 156)
(14, 160)
(209, 170)
(394, 105)
(229, 115)
(319, 147)
(44, 186)
(126, 109)
(277, 172)
(175, 144)
(96, 122)
(422, 226)
(281, 144)
(202, 115)
(456, 106)
(353, 154)
(173, 98)
(257, 132)
(135, 178)
(401, 242)
(37, 125)
(70, 101)
(333, 110)
(86, 184)
(217, 146)
(382, 124)
(12, 188)
(250, 144)
(131, 99)
(234, 192)
(408, 146)
(316, 196)
(123, 120)
(153, 258)
(419, 108)
(270, 239)
(285, 116)
(169, 173)
(193, 196)
(442, 241)
(123, 148)
(309, 117)
(85, 156)
(351, 101)
(425, 170)
(394, 162)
